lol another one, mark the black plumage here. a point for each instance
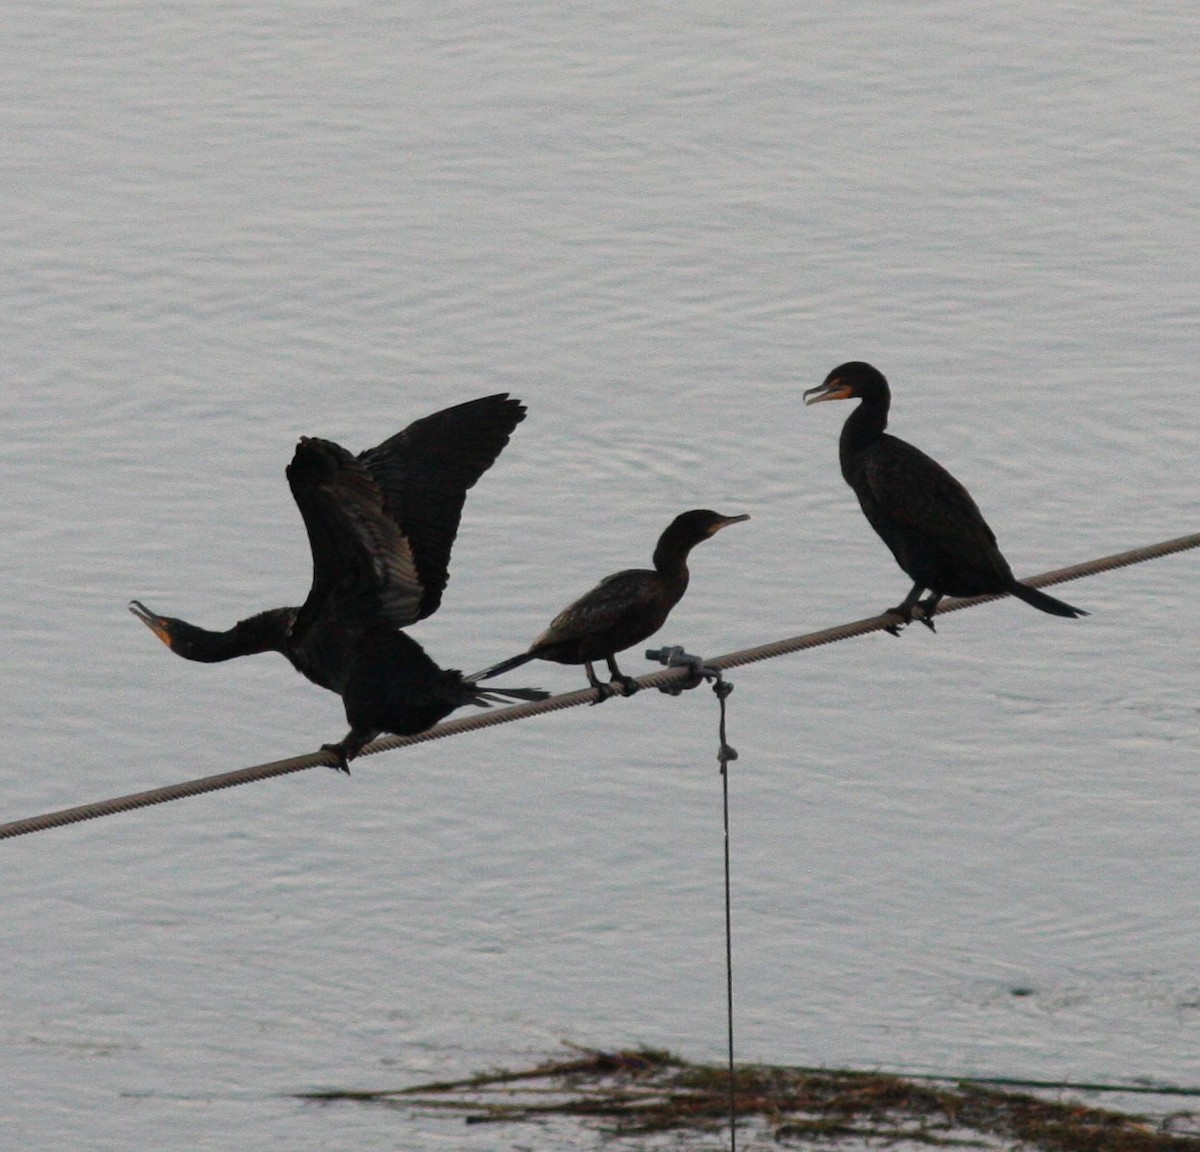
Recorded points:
(624, 608)
(922, 513)
(380, 527)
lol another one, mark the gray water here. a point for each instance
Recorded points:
(227, 225)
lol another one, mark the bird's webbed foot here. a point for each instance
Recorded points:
(902, 615)
(343, 758)
(621, 684)
(907, 611)
(926, 609)
(347, 749)
(604, 691)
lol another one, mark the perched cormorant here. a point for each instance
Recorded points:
(925, 516)
(624, 608)
(380, 527)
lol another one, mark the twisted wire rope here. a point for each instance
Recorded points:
(663, 679)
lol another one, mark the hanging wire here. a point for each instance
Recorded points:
(664, 679)
(722, 688)
(698, 672)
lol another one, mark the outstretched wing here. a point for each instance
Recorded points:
(381, 525)
(424, 472)
(363, 567)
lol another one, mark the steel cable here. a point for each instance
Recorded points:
(664, 679)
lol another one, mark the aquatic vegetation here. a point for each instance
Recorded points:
(644, 1093)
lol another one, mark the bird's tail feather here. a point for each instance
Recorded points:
(485, 697)
(503, 666)
(1046, 603)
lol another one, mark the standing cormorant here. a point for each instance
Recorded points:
(925, 516)
(380, 527)
(624, 608)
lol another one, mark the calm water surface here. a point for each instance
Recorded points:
(224, 227)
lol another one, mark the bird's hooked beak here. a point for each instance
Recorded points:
(157, 624)
(832, 389)
(725, 521)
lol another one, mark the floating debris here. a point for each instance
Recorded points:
(642, 1093)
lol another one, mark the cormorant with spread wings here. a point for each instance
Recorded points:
(381, 526)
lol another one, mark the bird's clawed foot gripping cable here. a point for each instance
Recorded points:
(667, 677)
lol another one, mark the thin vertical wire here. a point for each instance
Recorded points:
(722, 689)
